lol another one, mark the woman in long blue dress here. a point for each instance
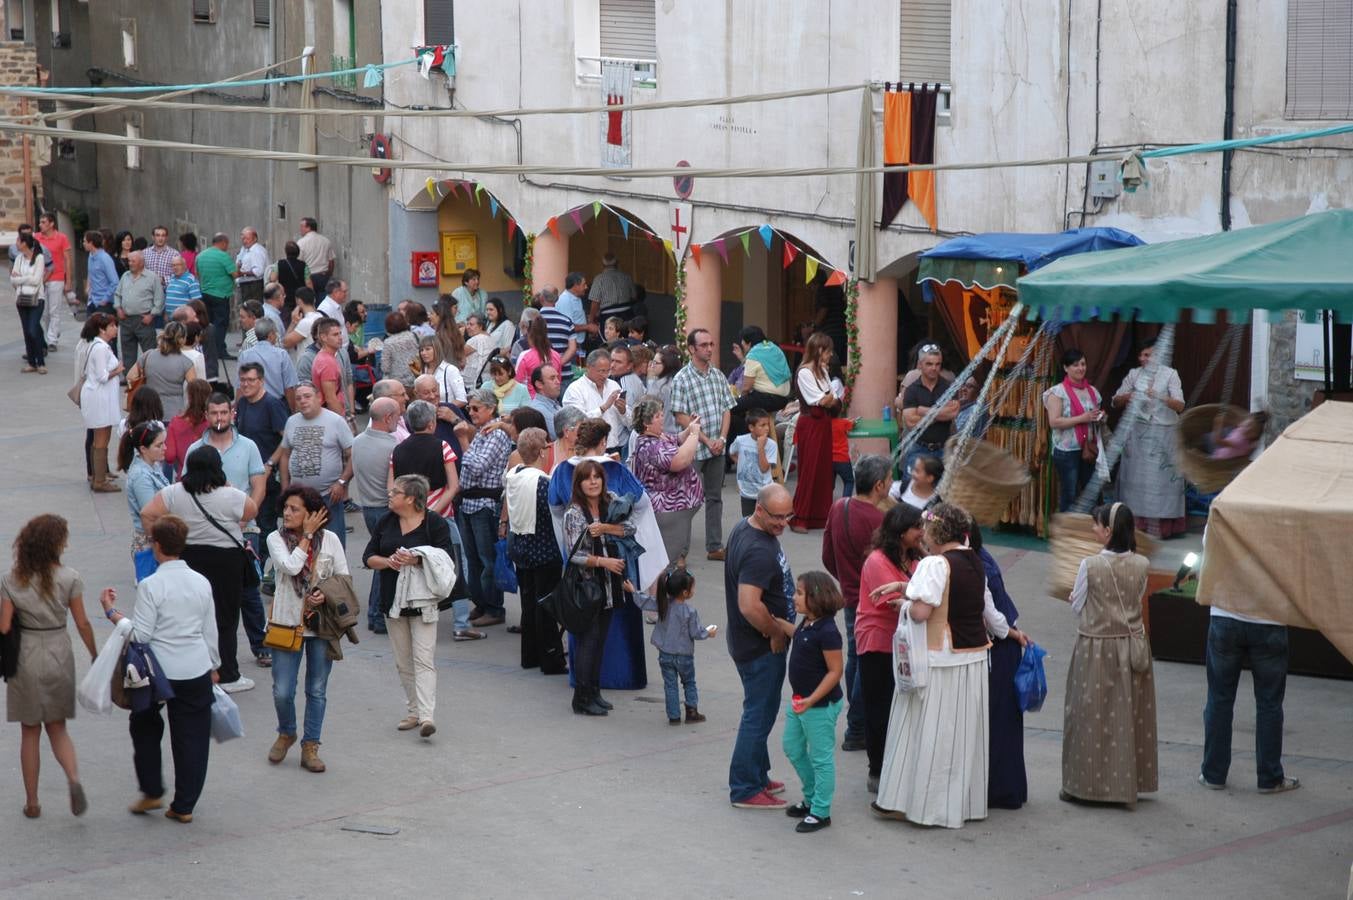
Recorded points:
(1007, 784)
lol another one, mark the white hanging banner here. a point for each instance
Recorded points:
(617, 87)
(679, 227)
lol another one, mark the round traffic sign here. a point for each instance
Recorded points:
(683, 184)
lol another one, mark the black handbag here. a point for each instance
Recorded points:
(578, 599)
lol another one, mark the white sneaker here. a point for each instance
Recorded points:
(242, 684)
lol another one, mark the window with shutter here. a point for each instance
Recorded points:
(203, 10)
(262, 12)
(1319, 59)
(924, 47)
(439, 22)
(629, 29)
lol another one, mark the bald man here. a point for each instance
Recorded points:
(759, 595)
(370, 464)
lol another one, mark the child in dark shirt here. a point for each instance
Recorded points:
(815, 667)
(675, 635)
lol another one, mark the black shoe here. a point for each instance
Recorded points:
(375, 629)
(584, 703)
(813, 823)
(600, 700)
(852, 743)
(797, 811)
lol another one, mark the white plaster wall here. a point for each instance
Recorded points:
(1161, 80)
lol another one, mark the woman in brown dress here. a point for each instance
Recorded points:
(34, 597)
(1109, 736)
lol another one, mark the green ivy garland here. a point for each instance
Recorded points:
(527, 267)
(679, 292)
(852, 336)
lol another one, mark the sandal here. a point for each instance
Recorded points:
(78, 803)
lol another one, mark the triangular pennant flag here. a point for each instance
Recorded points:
(667, 245)
(493, 205)
(372, 78)
(721, 245)
(835, 278)
(767, 235)
(577, 216)
(596, 209)
(553, 225)
(746, 238)
(791, 253)
(810, 265)
(478, 189)
(651, 237)
(431, 185)
(511, 227)
(625, 226)
(695, 254)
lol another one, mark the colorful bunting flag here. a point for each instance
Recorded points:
(767, 235)
(577, 216)
(553, 225)
(625, 226)
(667, 245)
(432, 188)
(810, 267)
(835, 278)
(790, 254)
(493, 205)
(746, 238)
(695, 254)
(478, 189)
(511, 227)
(721, 245)
(596, 209)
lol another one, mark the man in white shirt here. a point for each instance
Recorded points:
(317, 252)
(572, 304)
(252, 265)
(274, 299)
(598, 396)
(337, 295)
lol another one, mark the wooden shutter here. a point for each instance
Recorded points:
(1319, 59)
(924, 46)
(202, 11)
(439, 22)
(629, 29)
(262, 12)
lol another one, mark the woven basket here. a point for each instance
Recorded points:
(1072, 541)
(987, 483)
(1207, 474)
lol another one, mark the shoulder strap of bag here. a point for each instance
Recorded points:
(219, 527)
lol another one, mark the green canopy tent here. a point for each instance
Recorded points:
(1304, 264)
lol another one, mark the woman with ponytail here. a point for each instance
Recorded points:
(140, 454)
(1109, 736)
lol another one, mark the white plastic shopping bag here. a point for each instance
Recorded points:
(225, 717)
(96, 688)
(911, 659)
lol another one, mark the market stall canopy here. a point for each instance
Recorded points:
(995, 260)
(1276, 545)
(1304, 264)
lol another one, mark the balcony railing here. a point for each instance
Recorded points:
(343, 82)
(645, 70)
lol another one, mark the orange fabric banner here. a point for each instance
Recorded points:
(896, 128)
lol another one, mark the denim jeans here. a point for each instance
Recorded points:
(674, 666)
(480, 534)
(460, 609)
(1073, 474)
(286, 670)
(251, 605)
(846, 473)
(372, 515)
(711, 479)
(855, 708)
(338, 521)
(1229, 643)
(218, 314)
(763, 681)
(34, 340)
(810, 745)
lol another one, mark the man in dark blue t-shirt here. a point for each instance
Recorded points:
(759, 593)
(262, 418)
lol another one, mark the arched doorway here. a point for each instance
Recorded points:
(475, 231)
(597, 229)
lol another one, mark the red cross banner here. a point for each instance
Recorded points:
(679, 227)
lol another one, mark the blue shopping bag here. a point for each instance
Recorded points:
(145, 563)
(1031, 684)
(504, 576)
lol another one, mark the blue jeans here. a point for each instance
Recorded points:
(338, 521)
(846, 473)
(251, 605)
(855, 710)
(1073, 474)
(674, 666)
(1229, 643)
(372, 515)
(286, 670)
(480, 534)
(763, 680)
(34, 338)
(460, 609)
(218, 313)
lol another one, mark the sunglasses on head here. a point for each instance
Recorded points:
(929, 348)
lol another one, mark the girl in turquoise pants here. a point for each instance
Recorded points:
(815, 666)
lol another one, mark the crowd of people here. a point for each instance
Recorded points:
(563, 450)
